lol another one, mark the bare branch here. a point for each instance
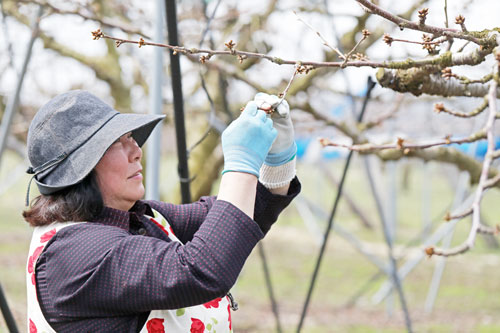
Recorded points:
(446, 59)
(365, 33)
(427, 81)
(436, 31)
(448, 155)
(325, 43)
(439, 107)
(402, 144)
(391, 113)
(483, 180)
(105, 22)
(459, 216)
(446, 13)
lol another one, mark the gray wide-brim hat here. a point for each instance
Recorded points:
(70, 134)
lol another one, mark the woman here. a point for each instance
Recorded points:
(102, 259)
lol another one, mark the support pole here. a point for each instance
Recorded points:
(371, 85)
(411, 263)
(395, 279)
(269, 284)
(154, 142)
(9, 319)
(461, 192)
(13, 102)
(180, 129)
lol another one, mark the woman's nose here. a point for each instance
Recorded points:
(135, 151)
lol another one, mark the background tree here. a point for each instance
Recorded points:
(318, 52)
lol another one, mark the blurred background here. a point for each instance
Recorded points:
(392, 206)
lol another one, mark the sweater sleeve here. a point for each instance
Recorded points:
(96, 270)
(186, 219)
(268, 206)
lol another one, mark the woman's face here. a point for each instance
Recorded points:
(119, 174)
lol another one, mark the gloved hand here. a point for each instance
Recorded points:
(284, 148)
(247, 140)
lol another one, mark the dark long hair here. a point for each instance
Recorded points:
(79, 202)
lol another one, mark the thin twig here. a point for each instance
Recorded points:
(209, 21)
(473, 58)
(391, 113)
(459, 216)
(439, 107)
(463, 47)
(403, 145)
(403, 23)
(8, 42)
(446, 13)
(283, 94)
(365, 33)
(483, 181)
(334, 49)
(106, 22)
(389, 40)
(483, 229)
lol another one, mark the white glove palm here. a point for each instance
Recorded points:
(284, 147)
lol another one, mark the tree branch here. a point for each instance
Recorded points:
(483, 181)
(480, 38)
(419, 81)
(105, 22)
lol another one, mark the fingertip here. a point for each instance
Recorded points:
(284, 109)
(261, 115)
(273, 99)
(250, 108)
(274, 132)
(260, 95)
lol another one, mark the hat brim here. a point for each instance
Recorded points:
(82, 161)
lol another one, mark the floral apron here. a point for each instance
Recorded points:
(211, 317)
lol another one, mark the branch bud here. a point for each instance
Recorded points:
(429, 251)
(400, 143)
(241, 57)
(461, 21)
(360, 57)
(230, 45)
(446, 73)
(431, 48)
(324, 142)
(439, 107)
(141, 42)
(97, 34)
(422, 15)
(388, 39)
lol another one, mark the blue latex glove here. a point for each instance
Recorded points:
(247, 140)
(284, 148)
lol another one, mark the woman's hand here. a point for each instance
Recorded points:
(245, 144)
(284, 147)
(279, 166)
(247, 140)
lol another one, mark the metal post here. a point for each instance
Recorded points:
(391, 214)
(180, 129)
(13, 102)
(411, 263)
(371, 84)
(395, 278)
(154, 142)
(426, 201)
(9, 319)
(269, 284)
